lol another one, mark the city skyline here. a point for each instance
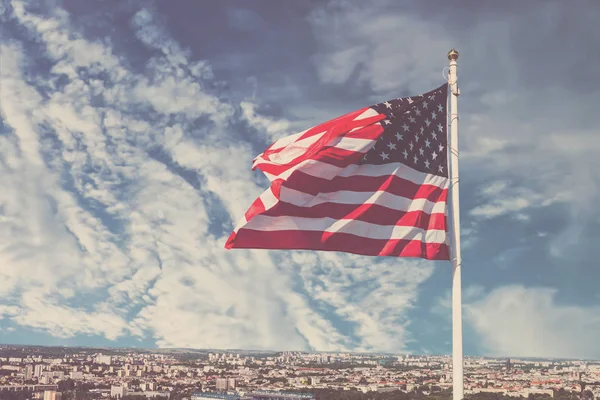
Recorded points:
(127, 134)
(97, 373)
(264, 352)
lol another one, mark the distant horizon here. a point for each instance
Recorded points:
(241, 351)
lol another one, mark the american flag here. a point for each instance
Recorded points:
(372, 182)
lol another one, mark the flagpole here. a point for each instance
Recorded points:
(457, 342)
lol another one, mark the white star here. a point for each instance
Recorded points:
(365, 157)
(441, 169)
(388, 105)
(425, 104)
(440, 128)
(398, 136)
(411, 144)
(384, 156)
(440, 147)
(411, 119)
(433, 135)
(418, 112)
(387, 121)
(405, 127)
(391, 145)
(433, 156)
(440, 108)
(421, 130)
(431, 97)
(427, 142)
(392, 115)
(428, 122)
(421, 151)
(405, 153)
(416, 138)
(416, 159)
(410, 100)
(427, 164)
(433, 115)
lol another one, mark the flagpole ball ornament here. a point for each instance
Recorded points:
(453, 55)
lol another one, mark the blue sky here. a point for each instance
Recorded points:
(126, 139)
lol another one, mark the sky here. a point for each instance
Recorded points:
(127, 133)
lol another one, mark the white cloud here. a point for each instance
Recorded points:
(530, 322)
(275, 129)
(387, 51)
(100, 236)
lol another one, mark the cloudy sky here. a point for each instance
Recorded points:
(127, 131)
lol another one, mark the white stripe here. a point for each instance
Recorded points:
(291, 138)
(369, 112)
(292, 149)
(381, 198)
(300, 147)
(268, 199)
(271, 177)
(353, 144)
(287, 140)
(327, 171)
(351, 226)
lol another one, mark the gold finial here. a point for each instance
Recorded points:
(453, 55)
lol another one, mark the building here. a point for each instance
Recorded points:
(222, 384)
(29, 372)
(76, 375)
(37, 371)
(217, 396)
(102, 359)
(27, 388)
(52, 395)
(117, 392)
(231, 383)
(151, 394)
(273, 395)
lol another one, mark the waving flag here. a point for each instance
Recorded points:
(372, 182)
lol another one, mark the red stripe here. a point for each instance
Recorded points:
(373, 213)
(324, 127)
(328, 241)
(341, 120)
(393, 184)
(256, 208)
(329, 154)
(371, 132)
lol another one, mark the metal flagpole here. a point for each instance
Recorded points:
(457, 343)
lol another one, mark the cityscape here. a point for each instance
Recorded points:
(64, 373)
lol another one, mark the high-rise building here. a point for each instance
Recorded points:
(508, 365)
(37, 370)
(29, 372)
(231, 384)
